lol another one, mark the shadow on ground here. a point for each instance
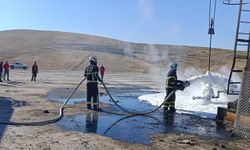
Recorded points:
(6, 111)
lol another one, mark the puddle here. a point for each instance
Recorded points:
(126, 95)
(134, 129)
(139, 129)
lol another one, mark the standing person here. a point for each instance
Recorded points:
(1, 71)
(91, 73)
(34, 71)
(102, 70)
(6, 68)
(171, 84)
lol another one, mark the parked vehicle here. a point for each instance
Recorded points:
(18, 65)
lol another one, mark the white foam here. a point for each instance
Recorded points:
(200, 107)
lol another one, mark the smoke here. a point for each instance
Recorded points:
(158, 60)
(160, 56)
(173, 32)
(128, 51)
(224, 70)
(146, 9)
(153, 55)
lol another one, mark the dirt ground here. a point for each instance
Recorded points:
(24, 100)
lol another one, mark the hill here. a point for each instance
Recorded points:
(70, 51)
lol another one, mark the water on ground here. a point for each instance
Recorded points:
(114, 123)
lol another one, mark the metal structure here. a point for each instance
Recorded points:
(233, 2)
(242, 122)
(211, 20)
(241, 56)
(241, 46)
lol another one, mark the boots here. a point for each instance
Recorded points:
(96, 107)
(172, 110)
(89, 106)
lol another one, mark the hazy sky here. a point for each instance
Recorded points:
(183, 22)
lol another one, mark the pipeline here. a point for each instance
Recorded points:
(44, 122)
(136, 112)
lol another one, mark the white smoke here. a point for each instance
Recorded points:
(224, 70)
(173, 32)
(158, 59)
(146, 9)
(128, 51)
(152, 54)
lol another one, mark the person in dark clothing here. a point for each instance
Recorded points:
(1, 71)
(34, 71)
(6, 68)
(171, 84)
(91, 73)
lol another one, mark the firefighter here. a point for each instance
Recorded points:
(91, 73)
(171, 84)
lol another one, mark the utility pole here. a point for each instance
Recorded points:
(211, 33)
(211, 29)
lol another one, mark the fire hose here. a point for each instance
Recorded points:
(184, 85)
(44, 122)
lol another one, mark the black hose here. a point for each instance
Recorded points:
(44, 122)
(136, 112)
(126, 117)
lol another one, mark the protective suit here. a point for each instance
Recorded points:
(171, 84)
(91, 73)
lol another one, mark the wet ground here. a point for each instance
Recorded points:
(112, 122)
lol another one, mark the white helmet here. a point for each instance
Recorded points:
(173, 65)
(92, 58)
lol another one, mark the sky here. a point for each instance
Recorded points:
(178, 22)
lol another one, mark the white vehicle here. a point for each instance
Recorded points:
(18, 65)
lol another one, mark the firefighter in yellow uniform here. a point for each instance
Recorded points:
(91, 73)
(171, 84)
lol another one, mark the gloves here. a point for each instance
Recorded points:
(186, 84)
(182, 85)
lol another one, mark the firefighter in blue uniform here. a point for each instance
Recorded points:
(171, 84)
(91, 73)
